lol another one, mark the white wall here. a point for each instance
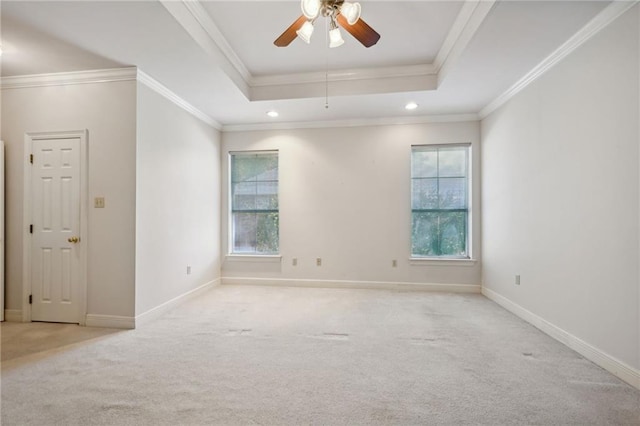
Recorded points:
(108, 111)
(560, 193)
(345, 198)
(177, 202)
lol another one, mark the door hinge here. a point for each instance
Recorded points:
(31, 299)
(31, 158)
(31, 229)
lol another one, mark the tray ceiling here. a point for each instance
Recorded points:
(450, 57)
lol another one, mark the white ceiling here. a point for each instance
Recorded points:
(404, 44)
(451, 57)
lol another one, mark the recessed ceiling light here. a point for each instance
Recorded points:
(273, 114)
(411, 106)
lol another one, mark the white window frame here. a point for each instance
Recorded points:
(248, 256)
(465, 260)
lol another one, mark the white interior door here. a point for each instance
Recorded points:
(56, 245)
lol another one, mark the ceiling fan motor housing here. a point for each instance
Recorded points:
(331, 7)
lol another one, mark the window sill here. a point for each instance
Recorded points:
(433, 261)
(256, 258)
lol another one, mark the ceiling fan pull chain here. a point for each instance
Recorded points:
(326, 75)
(326, 102)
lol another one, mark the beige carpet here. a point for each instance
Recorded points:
(290, 356)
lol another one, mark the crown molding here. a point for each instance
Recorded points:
(162, 90)
(365, 122)
(203, 18)
(471, 16)
(198, 24)
(454, 33)
(599, 22)
(104, 76)
(68, 78)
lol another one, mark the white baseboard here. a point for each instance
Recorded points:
(595, 355)
(110, 321)
(13, 315)
(370, 285)
(156, 312)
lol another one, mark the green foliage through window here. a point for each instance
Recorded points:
(254, 203)
(439, 201)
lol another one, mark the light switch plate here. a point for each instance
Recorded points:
(98, 203)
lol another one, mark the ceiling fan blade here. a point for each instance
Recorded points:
(289, 34)
(361, 31)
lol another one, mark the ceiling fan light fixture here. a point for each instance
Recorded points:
(305, 32)
(335, 38)
(344, 13)
(310, 8)
(351, 11)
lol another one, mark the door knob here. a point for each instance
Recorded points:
(73, 239)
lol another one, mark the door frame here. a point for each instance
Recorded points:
(29, 138)
(2, 230)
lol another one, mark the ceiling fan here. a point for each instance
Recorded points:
(341, 12)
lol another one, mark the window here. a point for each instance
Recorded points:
(254, 203)
(440, 201)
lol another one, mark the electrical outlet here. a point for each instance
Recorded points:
(394, 263)
(294, 261)
(98, 203)
(517, 279)
(188, 270)
(318, 262)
